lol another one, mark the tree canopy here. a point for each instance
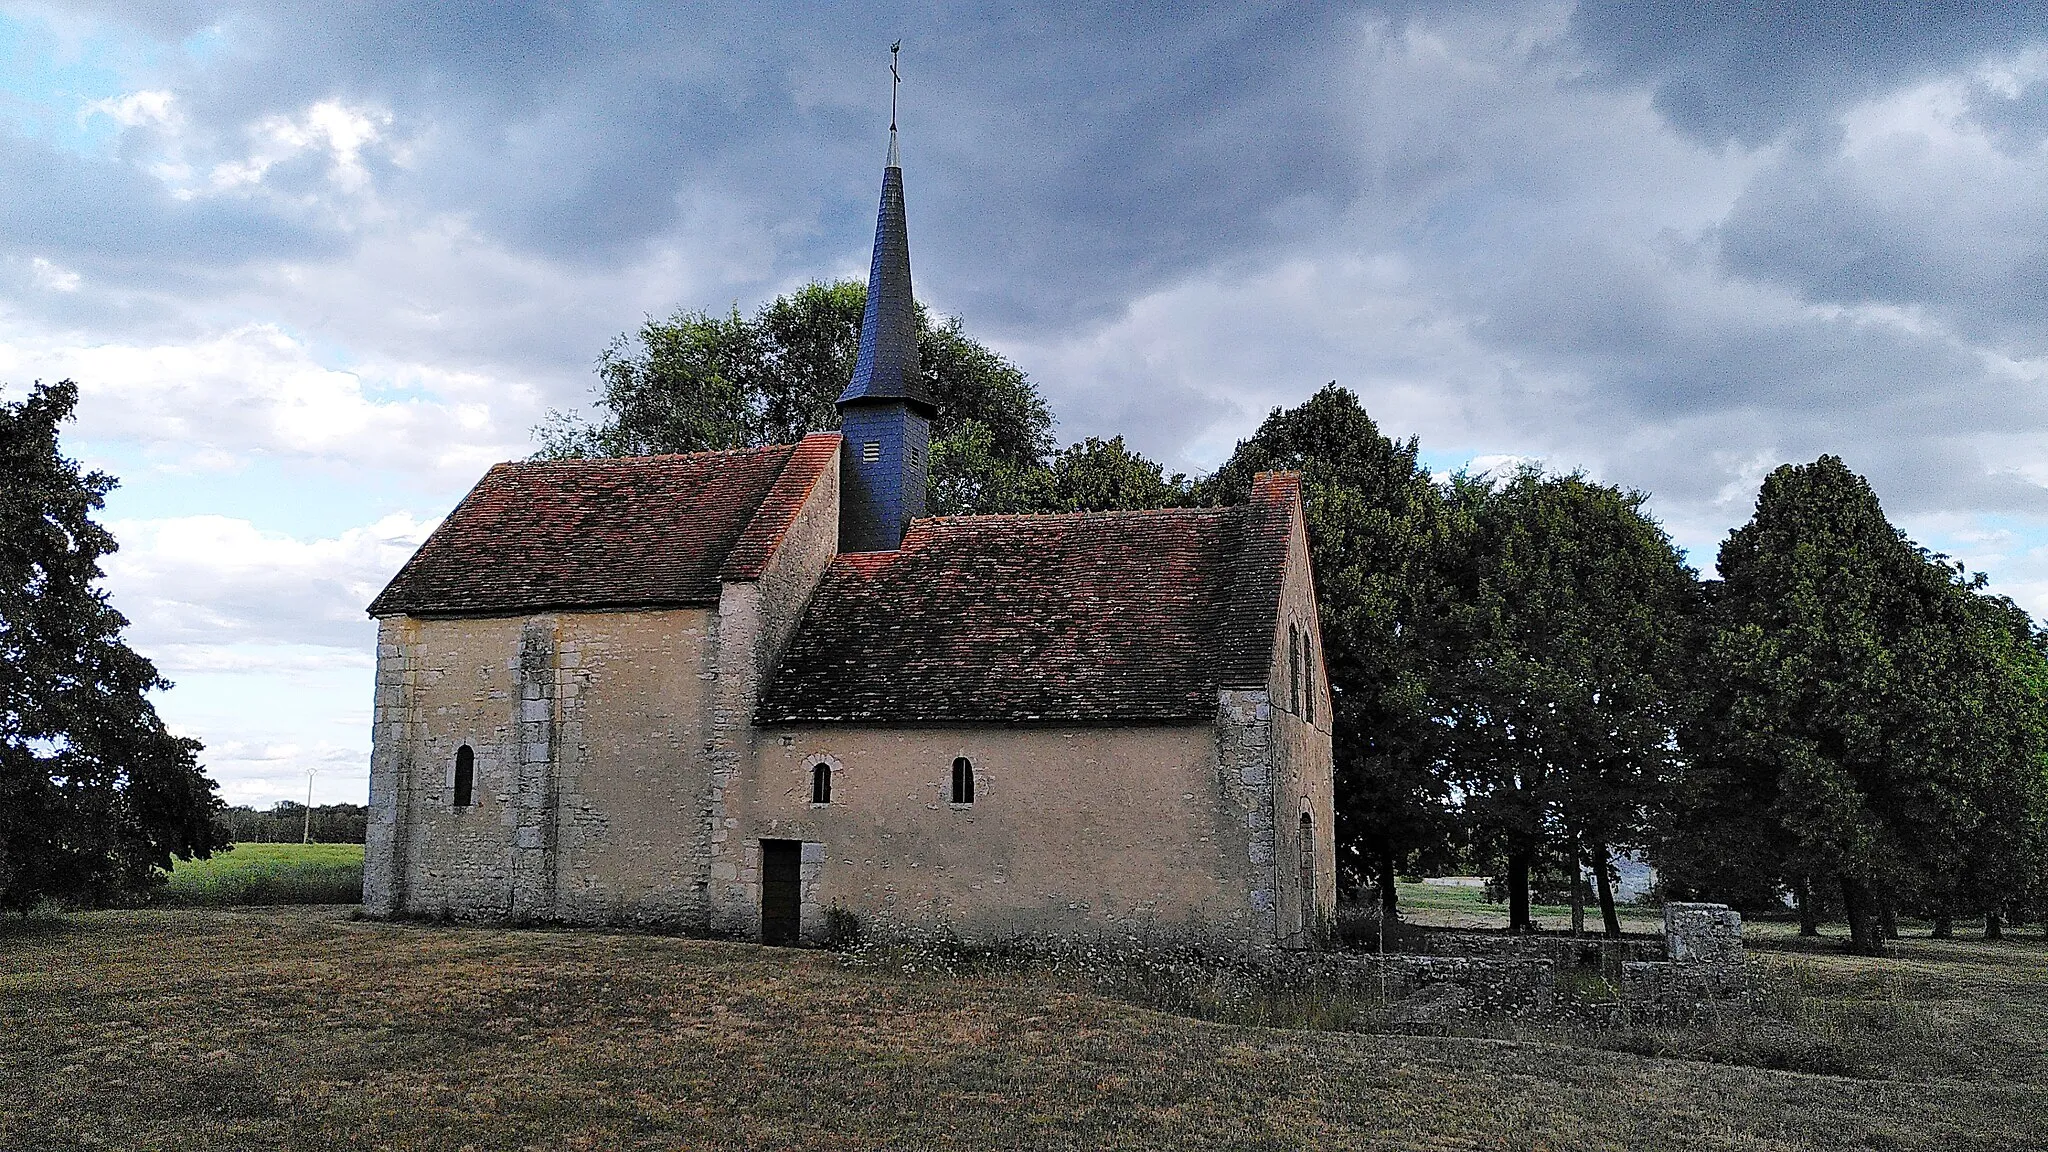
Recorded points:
(696, 381)
(95, 793)
(1870, 719)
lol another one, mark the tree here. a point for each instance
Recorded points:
(1870, 720)
(1374, 528)
(696, 381)
(95, 794)
(1566, 655)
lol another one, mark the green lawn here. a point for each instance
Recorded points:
(1444, 907)
(269, 874)
(303, 1028)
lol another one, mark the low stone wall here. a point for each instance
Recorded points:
(1697, 968)
(1565, 952)
(1420, 989)
(1705, 971)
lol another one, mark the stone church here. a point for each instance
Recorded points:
(733, 691)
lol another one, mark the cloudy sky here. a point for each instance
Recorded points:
(316, 265)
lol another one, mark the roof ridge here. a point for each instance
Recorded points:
(704, 454)
(779, 507)
(1079, 514)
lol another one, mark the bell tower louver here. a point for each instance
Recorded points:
(885, 413)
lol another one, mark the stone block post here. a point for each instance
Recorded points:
(393, 729)
(1702, 933)
(534, 800)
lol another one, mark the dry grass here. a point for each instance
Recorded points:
(300, 1028)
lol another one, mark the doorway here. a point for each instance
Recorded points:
(781, 894)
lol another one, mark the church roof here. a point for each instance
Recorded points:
(1081, 617)
(634, 532)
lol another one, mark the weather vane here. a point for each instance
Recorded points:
(895, 78)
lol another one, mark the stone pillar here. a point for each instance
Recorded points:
(1244, 728)
(394, 731)
(533, 800)
(1702, 933)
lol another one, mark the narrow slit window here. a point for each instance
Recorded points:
(465, 776)
(871, 451)
(1308, 678)
(1293, 668)
(963, 781)
(821, 783)
(1308, 870)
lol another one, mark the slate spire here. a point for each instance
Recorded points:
(885, 413)
(887, 368)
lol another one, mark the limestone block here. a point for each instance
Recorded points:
(1702, 933)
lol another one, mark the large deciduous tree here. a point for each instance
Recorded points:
(1564, 670)
(1871, 720)
(1374, 531)
(696, 381)
(95, 794)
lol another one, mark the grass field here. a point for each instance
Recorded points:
(1446, 907)
(302, 1028)
(268, 874)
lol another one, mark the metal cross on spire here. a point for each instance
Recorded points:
(895, 79)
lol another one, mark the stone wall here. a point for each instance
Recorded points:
(1698, 967)
(1427, 989)
(1565, 952)
(1299, 755)
(1073, 830)
(586, 734)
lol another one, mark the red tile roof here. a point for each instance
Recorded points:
(807, 463)
(1109, 616)
(641, 531)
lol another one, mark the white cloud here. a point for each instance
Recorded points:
(205, 589)
(341, 131)
(264, 635)
(149, 108)
(53, 276)
(257, 391)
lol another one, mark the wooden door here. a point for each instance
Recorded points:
(780, 896)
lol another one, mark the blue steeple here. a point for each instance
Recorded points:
(885, 413)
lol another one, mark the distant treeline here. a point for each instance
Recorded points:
(285, 823)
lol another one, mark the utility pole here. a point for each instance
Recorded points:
(306, 836)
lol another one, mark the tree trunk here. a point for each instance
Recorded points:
(1888, 919)
(1390, 900)
(1518, 891)
(1809, 919)
(1994, 925)
(1578, 889)
(1610, 920)
(1944, 925)
(1862, 931)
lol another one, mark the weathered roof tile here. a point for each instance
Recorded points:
(639, 531)
(1113, 616)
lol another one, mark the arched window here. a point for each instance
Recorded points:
(821, 783)
(963, 781)
(1293, 668)
(465, 776)
(1308, 871)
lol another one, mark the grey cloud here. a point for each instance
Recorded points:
(1731, 70)
(2018, 119)
(104, 217)
(1896, 226)
(1085, 151)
